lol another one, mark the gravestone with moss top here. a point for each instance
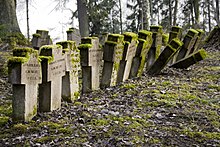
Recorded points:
(175, 32)
(25, 75)
(130, 45)
(70, 82)
(103, 38)
(138, 63)
(113, 51)
(188, 43)
(190, 60)
(74, 35)
(198, 42)
(165, 56)
(53, 69)
(40, 38)
(154, 51)
(90, 59)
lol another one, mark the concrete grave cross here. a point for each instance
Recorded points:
(138, 63)
(175, 32)
(113, 52)
(70, 82)
(91, 59)
(130, 46)
(53, 69)
(154, 51)
(198, 42)
(165, 56)
(188, 43)
(25, 75)
(41, 38)
(74, 35)
(190, 60)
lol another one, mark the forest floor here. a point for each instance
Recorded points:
(175, 108)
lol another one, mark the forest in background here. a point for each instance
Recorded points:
(101, 16)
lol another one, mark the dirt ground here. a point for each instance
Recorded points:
(176, 108)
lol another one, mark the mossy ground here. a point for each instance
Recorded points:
(176, 108)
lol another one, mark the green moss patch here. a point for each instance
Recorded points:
(84, 46)
(115, 38)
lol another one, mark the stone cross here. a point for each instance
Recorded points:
(154, 51)
(74, 35)
(113, 51)
(130, 46)
(188, 42)
(90, 59)
(138, 63)
(41, 38)
(53, 69)
(25, 75)
(190, 60)
(197, 43)
(70, 82)
(175, 32)
(165, 56)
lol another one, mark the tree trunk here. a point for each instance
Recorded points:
(217, 12)
(196, 11)
(170, 13)
(151, 12)
(27, 13)
(175, 12)
(192, 16)
(83, 18)
(146, 14)
(120, 10)
(8, 18)
(209, 14)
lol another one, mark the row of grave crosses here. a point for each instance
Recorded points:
(43, 75)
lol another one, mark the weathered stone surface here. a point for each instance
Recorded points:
(70, 81)
(53, 68)
(41, 38)
(74, 35)
(165, 56)
(190, 60)
(188, 43)
(154, 51)
(138, 63)
(103, 38)
(175, 32)
(198, 42)
(113, 51)
(91, 58)
(130, 46)
(25, 75)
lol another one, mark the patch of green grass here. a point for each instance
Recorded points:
(99, 122)
(128, 86)
(3, 120)
(6, 109)
(20, 128)
(214, 86)
(45, 139)
(166, 83)
(51, 125)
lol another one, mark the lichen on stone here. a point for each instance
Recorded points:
(131, 35)
(14, 61)
(84, 46)
(23, 52)
(37, 35)
(115, 38)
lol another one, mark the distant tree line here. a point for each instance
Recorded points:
(100, 16)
